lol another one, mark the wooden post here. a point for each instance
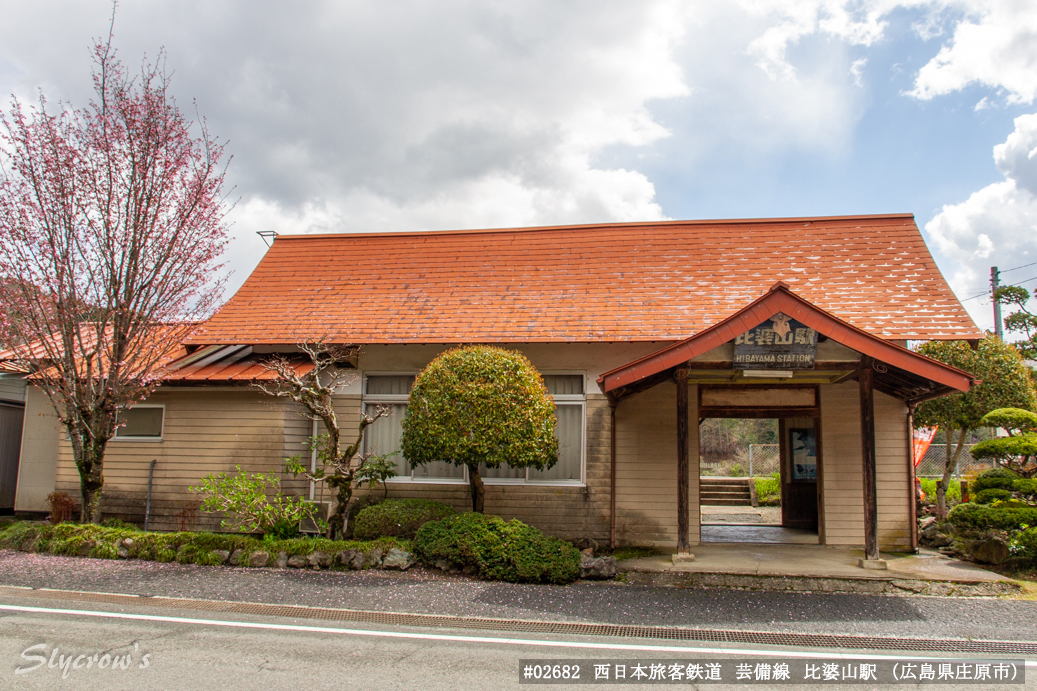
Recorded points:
(871, 515)
(612, 473)
(911, 476)
(683, 527)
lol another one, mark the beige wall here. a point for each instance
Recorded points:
(843, 475)
(205, 431)
(646, 468)
(40, 429)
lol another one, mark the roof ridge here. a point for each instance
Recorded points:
(603, 225)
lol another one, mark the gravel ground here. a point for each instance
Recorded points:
(419, 591)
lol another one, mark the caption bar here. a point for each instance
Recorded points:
(795, 671)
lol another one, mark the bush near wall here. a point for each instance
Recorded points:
(90, 540)
(498, 550)
(398, 518)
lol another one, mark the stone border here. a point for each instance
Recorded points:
(821, 584)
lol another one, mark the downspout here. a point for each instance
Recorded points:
(911, 472)
(612, 473)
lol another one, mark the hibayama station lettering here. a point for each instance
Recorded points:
(778, 343)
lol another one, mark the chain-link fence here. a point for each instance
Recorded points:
(755, 460)
(759, 460)
(763, 459)
(935, 460)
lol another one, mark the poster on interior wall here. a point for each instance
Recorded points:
(804, 454)
(780, 343)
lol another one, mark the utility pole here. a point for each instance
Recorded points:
(995, 283)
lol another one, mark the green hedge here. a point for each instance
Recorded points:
(498, 550)
(74, 539)
(398, 518)
(968, 517)
(998, 478)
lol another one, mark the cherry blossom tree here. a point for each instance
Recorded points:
(111, 228)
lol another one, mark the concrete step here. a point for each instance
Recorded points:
(703, 496)
(724, 502)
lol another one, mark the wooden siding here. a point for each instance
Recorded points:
(843, 482)
(205, 431)
(646, 468)
(12, 389)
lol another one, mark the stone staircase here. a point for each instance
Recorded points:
(724, 491)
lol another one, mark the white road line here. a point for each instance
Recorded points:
(466, 639)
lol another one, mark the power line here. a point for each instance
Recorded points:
(1018, 267)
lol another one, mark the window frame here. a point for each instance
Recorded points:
(397, 399)
(162, 429)
(564, 399)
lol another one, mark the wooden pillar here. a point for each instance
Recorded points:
(871, 515)
(612, 472)
(913, 494)
(683, 500)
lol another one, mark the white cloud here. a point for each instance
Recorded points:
(994, 45)
(994, 226)
(853, 23)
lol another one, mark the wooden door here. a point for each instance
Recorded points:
(800, 465)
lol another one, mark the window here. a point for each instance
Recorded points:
(140, 422)
(570, 409)
(384, 435)
(570, 402)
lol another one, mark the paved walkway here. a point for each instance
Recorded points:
(812, 561)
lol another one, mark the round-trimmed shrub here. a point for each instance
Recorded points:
(989, 496)
(498, 550)
(967, 517)
(398, 518)
(998, 478)
(1026, 487)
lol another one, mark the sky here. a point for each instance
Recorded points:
(398, 116)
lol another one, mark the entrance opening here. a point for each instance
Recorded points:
(758, 480)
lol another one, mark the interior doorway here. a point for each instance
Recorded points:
(758, 480)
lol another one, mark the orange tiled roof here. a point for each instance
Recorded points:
(610, 282)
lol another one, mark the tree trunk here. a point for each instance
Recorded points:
(337, 519)
(478, 489)
(949, 468)
(88, 453)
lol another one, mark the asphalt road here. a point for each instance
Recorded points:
(40, 649)
(423, 592)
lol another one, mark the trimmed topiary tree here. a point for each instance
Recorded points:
(1005, 383)
(480, 405)
(1016, 452)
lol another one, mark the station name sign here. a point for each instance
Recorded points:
(780, 343)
